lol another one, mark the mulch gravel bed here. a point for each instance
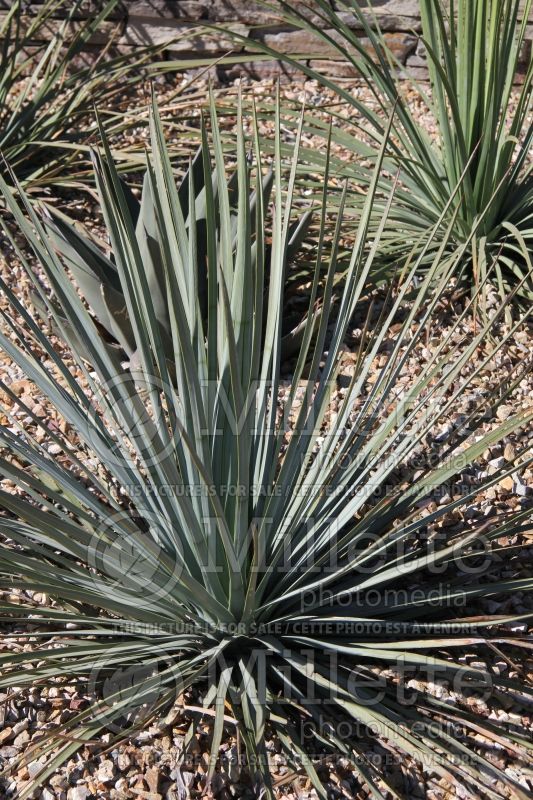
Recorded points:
(168, 761)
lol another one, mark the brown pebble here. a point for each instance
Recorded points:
(507, 483)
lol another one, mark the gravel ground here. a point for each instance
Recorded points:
(168, 761)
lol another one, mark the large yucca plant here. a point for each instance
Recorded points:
(213, 530)
(483, 127)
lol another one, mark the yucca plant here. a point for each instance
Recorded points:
(97, 276)
(46, 99)
(483, 127)
(213, 531)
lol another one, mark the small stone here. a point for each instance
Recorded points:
(9, 752)
(504, 412)
(21, 387)
(152, 779)
(106, 771)
(20, 726)
(123, 762)
(22, 739)
(187, 777)
(46, 794)
(144, 736)
(507, 483)
(58, 782)
(509, 452)
(55, 449)
(78, 793)
(6, 734)
(522, 489)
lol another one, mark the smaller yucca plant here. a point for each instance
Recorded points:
(483, 129)
(47, 99)
(208, 531)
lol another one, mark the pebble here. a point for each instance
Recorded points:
(509, 452)
(504, 412)
(22, 739)
(9, 751)
(20, 726)
(106, 771)
(78, 793)
(507, 483)
(123, 761)
(6, 734)
(522, 489)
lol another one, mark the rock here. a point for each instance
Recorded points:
(123, 762)
(20, 726)
(186, 9)
(152, 779)
(522, 489)
(6, 734)
(260, 70)
(187, 778)
(507, 483)
(78, 793)
(180, 37)
(59, 783)
(334, 69)
(179, 792)
(9, 752)
(173, 716)
(21, 387)
(106, 771)
(78, 703)
(504, 412)
(144, 736)
(509, 452)
(303, 42)
(251, 13)
(46, 794)
(22, 739)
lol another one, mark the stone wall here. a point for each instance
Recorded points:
(158, 20)
(174, 24)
